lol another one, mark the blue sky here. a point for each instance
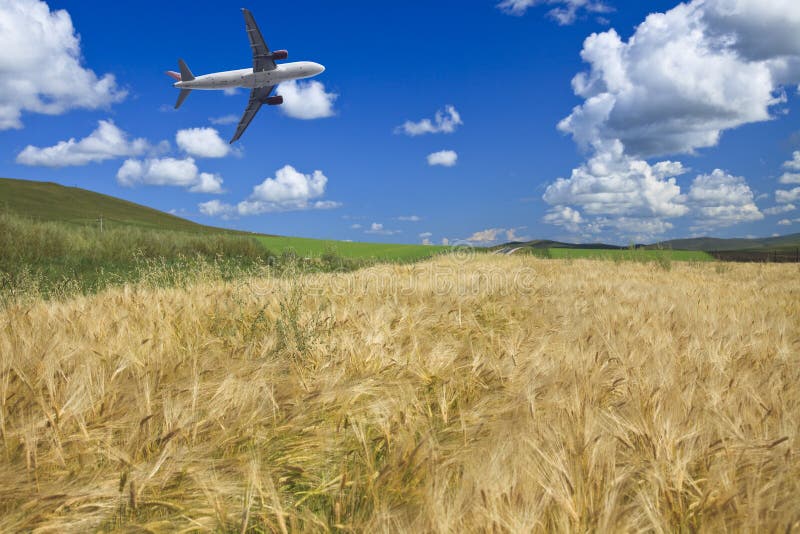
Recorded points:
(673, 135)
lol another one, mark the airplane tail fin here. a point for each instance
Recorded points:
(186, 74)
(182, 97)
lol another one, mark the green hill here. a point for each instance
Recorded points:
(50, 202)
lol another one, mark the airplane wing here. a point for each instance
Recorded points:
(257, 97)
(261, 57)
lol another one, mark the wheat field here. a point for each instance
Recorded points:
(493, 394)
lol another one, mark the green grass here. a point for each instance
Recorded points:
(305, 247)
(49, 202)
(46, 201)
(627, 254)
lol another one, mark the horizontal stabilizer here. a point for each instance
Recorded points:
(186, 74)
(182, 97)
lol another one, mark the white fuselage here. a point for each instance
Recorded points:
(248, 78)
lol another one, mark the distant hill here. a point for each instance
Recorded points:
(718, 244)
(705, 244)
(547, 243)
(47, 201)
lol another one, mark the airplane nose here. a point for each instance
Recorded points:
(320, 69)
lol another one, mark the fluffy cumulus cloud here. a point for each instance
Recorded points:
(564, 12)
(794, 163)
(214, 208)
(446, 120)
(493, 235)
(444, 158)
(306, 100)
(168, 171)
(564, 216)
(41, 67)
(783, 196)
(484, 237)
(202, 143)
(721, 199)
(682, 79)
(686, 75)
(613, 184)
(777, 210)
(289, 190)
(106, 142)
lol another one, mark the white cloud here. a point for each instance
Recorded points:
(409, 218)
(686, 75)
(485, 237)
(326, 205)
(224, 119)
(377, 228)
(290, 190)
(427, 241)
(445, 121)
(565, 11)
(306, 100)
(511, 234)
(794, 163)
(290, 187)
(168, 171)
(682, 79)
(776, 210)
(40, 65)
(424, 235)
(784, 222)
(445, 158)
(784, 197)
(790, 178)
(564, 216)
(207, 183)
(106, 142)
(612, 183)
(215, 208)
(721, 199)
(355, 226)
(202, 143)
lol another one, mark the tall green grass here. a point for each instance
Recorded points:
(52, 260)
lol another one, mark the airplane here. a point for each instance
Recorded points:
(261, 79)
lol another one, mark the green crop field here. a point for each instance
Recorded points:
(382, 251)
(624, 254)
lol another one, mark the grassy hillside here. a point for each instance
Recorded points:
(49, 202)
(46, 201)
(496, 394)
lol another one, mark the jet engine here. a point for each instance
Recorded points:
(280, 54)
(274, 100)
